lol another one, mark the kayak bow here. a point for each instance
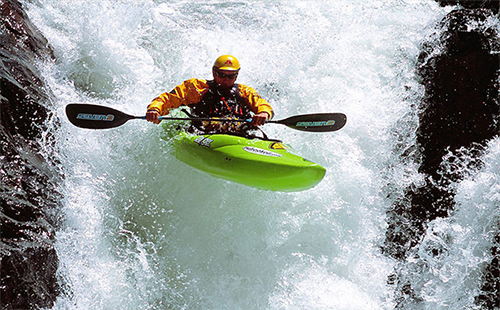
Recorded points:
(263, 164)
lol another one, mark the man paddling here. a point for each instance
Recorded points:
(217, 98)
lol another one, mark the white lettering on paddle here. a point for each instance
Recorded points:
(96, 117)
(316, 124)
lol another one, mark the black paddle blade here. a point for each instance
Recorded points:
(321, 122)
(95, 116)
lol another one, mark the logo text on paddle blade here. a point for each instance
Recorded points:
(96, 117)
(316, 124)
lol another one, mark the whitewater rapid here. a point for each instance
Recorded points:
(145, 231)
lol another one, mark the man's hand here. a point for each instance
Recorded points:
(260, 119)
(153, 116)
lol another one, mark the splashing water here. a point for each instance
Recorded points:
(145, 231)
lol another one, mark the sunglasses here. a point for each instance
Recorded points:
(229, 76)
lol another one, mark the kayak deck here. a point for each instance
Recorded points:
(263, 164)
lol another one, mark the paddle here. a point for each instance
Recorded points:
(101, 117)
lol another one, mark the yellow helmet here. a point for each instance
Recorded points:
(227, 62)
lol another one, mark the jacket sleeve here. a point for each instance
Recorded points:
(256, 103)
(190, 91)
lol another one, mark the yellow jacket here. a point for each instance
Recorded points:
(191, 92)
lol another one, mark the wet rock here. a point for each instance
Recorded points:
(29, 199)
(459, 114)
(492, 5)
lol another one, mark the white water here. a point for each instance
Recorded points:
(145, 231)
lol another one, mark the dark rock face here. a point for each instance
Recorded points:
(28, 191)
(459, 114)
(491, 5)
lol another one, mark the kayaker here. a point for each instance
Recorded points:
(217, 98)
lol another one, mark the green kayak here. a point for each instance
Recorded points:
(263, 164)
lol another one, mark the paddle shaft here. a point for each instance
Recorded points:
(101, 117)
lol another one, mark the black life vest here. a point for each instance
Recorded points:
(219, 102)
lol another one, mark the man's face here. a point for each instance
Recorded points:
(225, 78)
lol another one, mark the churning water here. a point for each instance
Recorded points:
(145, 231)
